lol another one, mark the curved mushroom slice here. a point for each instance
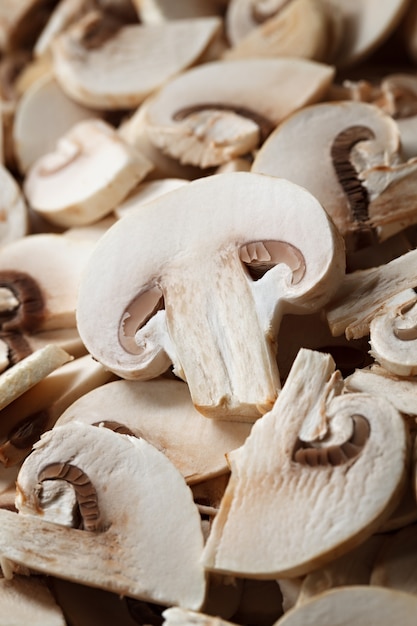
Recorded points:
(177, 297)
(359, 604)
(13, 215)
(346, 138)
(144, 542)
(161, 411)
(296, 506)
(120, 70)
(217, 111)
(43, 115)
(94, 166)
(39, 276)
(27, 600)
(157, 11)
(147, 191)
(35, 411)
(396, 565)
(91, 232)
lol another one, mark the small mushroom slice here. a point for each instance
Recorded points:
(27, 600)
(161, 412)
(144, 541)
(218, 111)
(297, 505)
(396, 564)
(177, 297)
(13, 210)
(119, 70)
(43, 115)
(359, 604)
(96, 168)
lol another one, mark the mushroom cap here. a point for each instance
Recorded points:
(161, 412)
(131, 64)
(144, 263)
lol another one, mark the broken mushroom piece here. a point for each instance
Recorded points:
(177, 297)
(13, 210)
(271, 523)
(28, 600)
(118, 70)
(217, 111)
(96, 169)
(144, 542)
(161, 411)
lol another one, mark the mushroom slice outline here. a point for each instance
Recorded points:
(146, 540)
(263, 530)
(160, 411)
(121, 71)
(217, 111)
(177, 295)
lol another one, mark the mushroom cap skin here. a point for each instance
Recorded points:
(27, 600)
(210, 114)
(14, 216)
(144, 542)
(358, 604)
(161, 411)
(96, 168)
(203, 278)
(130, 65)
(296, 506)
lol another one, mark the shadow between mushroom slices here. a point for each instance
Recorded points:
(173, 295)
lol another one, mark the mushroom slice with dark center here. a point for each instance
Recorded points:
(119, 549)
(227, 359)
(226, 107)
(272, 520)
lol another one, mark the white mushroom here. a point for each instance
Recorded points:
(27, 600)
(290, 506)
(13, 210)
(96, 169)
(147, 191)
(217, 111)
(177, 296)
(119, 70)
(144, 542)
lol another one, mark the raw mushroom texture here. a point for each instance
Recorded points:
(208, 277)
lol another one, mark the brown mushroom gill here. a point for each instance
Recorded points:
(29, 312)
(313, 456)
(84, 490)
(137, 314)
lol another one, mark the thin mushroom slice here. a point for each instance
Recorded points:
(271, 523)
(177, 297)
(396, 564)
(161, 411)
(218, 111)
(96, 168)
(13, 213)
(28, 600)
(119, 70)
(144, 542)
(359, 604)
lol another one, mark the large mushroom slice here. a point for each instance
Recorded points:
(177, 293)
(161, 412)
(94, 166)
(27, 600)
(217, 111)
(144, 541)
(293, 501)
(119, 70)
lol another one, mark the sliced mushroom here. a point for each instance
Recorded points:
(94, 166)
(147, 191)
(161, 412)
(178, 298)
(217, 111)
(119, 70)
(118, 549)
(43, 115)
(157, 11)
(27, 600)
(92, 232)
(13, 210)
(396, 564)
(278, 515)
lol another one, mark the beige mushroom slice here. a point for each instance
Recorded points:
(37, 410)
(151, 552)
(27, 600)
(218, 111)
(346, 138)
(161, 411)
(396, 565)
(13, 213)
(179, 616)
(296, 506)
(157, 11)
(359, 604)
(96, 168)
(43, 115)
(92, 232)
(119, 70)
(39, 277)
(239, 164)
(147, 191)
(177, 298)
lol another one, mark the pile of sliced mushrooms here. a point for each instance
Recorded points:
(208, 312)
